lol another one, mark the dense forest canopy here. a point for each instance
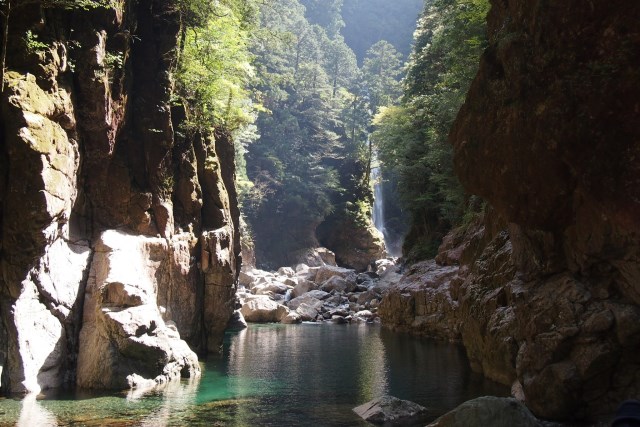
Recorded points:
(316, 93)
(311, 160)
(411, 138)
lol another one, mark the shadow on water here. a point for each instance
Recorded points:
(276, 375)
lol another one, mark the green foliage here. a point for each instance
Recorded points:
(215, 70)
(33, 44)
(65, 4)
(310, 156)
(326, 13)
(412, 138)
(114, 60)
(310, 164)
(382, 67)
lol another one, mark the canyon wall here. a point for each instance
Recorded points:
(119, 240)
(544, 290)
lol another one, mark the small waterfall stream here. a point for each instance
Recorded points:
(378, 207)
(378, 213)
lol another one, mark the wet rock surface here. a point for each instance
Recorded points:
(389, 410)
(489, 411)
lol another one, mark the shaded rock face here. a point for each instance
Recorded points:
(548, 284)
(488, 411)
(88, 150)
(355, 245)
(565, 341)
(558, 85)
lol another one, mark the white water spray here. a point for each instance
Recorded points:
(378, 212)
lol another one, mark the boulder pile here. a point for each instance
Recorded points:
(324, 293)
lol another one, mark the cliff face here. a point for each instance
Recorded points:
(547, 295)
(119, 236)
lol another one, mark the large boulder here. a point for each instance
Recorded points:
(308, 312)
(303, 287)
(339, 284)
(124, 337)
(262, 309)
(389, 409)
(326, 272)
(291, 318)
(312, 298)
(355, 240)
(489, 411)
(317, 257)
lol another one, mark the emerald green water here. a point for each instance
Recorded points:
(280, 375)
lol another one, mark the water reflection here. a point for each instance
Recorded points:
(373, 366)
(177, 396)
(294, 375)
(33, 413)
(433, 373)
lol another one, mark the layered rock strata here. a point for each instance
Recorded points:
(119, 236)
(547, 292)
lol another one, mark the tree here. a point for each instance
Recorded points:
(341, 63)
(326, 13)
(382, 67)
(215, 71)
(412, 138)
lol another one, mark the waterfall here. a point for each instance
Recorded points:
(378, 207)
(378, 212)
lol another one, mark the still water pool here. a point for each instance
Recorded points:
(280, 375)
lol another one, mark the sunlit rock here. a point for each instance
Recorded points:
(124, 340)
(337, 283)
(388, 409)
(292, 317)
(312, 297)
(307, 312)
(328, 271)
(286, 271)
(262, 309)
(317, 257)
(303, 287)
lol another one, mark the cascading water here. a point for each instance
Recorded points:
(378, 213)
(378, 207)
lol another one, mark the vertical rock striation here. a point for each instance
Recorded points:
(119, 238)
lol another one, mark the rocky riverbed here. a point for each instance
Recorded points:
(319, 292)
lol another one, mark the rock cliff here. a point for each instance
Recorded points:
(119, 240)
(544, 290)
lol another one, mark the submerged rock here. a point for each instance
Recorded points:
(489, 411)
(389, 409)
